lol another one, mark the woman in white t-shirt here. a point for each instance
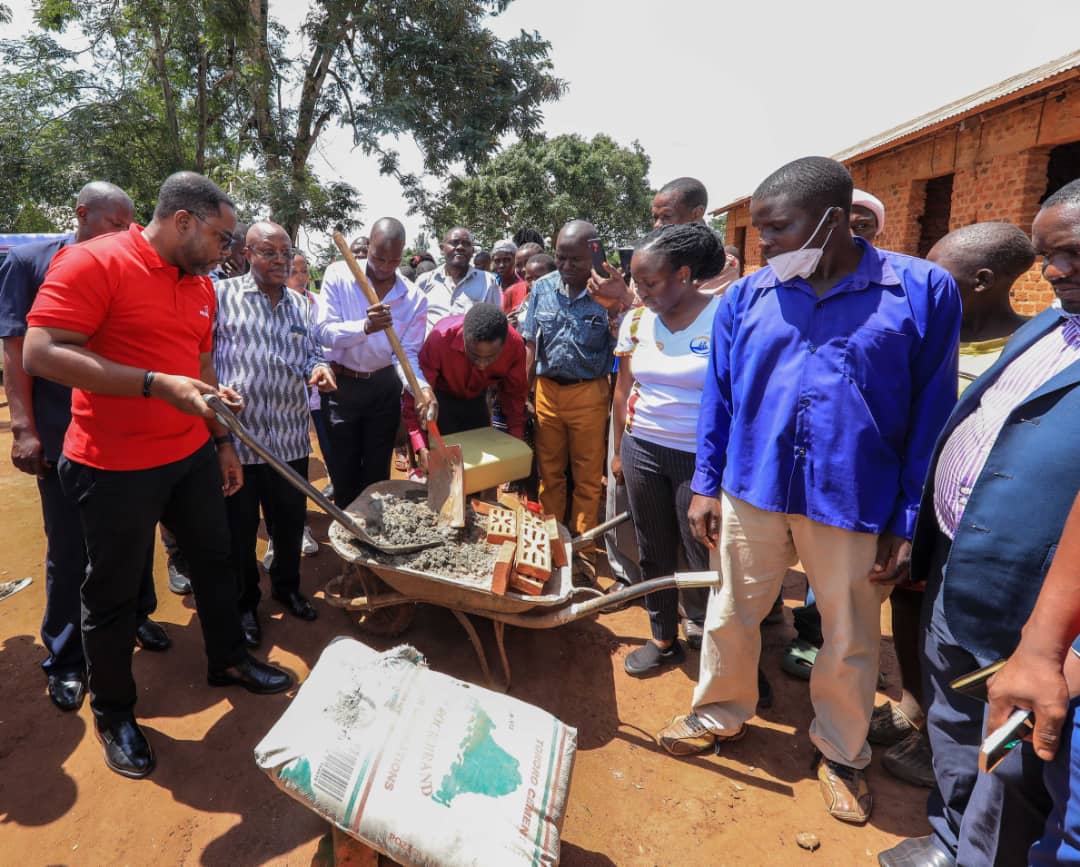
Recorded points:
(663, 350)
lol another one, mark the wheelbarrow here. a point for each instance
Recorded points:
(386, 594)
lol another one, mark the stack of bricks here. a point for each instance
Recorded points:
(529, 547)
(532, 561)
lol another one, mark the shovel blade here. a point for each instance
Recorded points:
(446, 485)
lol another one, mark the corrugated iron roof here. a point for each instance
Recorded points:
(966, 104)
(955, 109)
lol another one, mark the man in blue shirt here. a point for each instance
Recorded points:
(831, 374)
(40, 412)
(568, 346)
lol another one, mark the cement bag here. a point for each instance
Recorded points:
(425, 768)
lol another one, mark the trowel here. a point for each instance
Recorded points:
(446, 467)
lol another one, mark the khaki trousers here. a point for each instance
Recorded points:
(756, 549)
(570, 423)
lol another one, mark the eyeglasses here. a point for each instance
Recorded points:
(226, 238)
(268, 254)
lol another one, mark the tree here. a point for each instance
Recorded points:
(541, 183)
(217, 86)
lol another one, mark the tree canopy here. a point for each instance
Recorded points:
(541, 183)
(219, 87)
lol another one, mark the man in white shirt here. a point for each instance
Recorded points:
(362, 416)
(455, 286)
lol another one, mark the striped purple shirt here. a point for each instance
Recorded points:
(967, 448)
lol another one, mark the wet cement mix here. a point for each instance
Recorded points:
(464, 553)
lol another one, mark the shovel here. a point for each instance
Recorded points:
(226, 417)
(446, 467)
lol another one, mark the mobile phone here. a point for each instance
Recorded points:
(1000, 741)
(625, 255)
(599, 256)
(974, 684)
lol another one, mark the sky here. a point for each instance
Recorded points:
(727, 92)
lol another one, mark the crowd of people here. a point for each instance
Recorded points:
(878, 418)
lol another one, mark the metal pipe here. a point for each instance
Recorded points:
(579, 542)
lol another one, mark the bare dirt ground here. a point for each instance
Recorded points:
(208, 804)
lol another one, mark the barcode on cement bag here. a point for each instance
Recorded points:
(336, 772)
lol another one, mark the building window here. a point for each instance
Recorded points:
(1064, 166)
(934, 222)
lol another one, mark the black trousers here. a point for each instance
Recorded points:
(658, 490)
(119, 511)
(458, 414)
(362, 419)
(906, 605)
(285, 509)
(65, 571)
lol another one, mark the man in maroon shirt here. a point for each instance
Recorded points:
(461, 357)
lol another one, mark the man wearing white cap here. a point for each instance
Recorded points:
(867, 215)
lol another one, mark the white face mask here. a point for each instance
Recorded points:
(802, 262)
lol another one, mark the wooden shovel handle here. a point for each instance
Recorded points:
(369, 291)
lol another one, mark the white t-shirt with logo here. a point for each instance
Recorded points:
(669, 375)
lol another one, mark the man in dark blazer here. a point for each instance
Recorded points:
(1005, 472)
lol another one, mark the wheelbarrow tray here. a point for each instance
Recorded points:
(444, 590)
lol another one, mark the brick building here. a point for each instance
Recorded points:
(994, 155)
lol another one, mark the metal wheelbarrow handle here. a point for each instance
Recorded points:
(579, 542)
(226, 417)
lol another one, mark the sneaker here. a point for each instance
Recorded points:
(845, 791)
(308, 546)
(179, 583)
(686, 735)
(889, 725)
(268, 557)
(911, 760)
(693, 632)
(650, 658)
(328, 490)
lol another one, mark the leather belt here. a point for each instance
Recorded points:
(562, 380)
(342, 370)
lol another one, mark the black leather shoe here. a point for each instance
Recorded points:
(297, 605)
(67, 690)
(126, 749)
(152, 636)
(915, 852)
(249, 625)
(252, 675)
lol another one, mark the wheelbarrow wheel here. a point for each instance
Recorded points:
(387, 621)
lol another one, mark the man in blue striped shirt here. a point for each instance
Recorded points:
(265, 348)
(832, 372)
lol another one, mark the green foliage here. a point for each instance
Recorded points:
(219, 87)
(718, 224)
(542, 183)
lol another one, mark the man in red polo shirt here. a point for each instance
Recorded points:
(126, 321)
(461, 357)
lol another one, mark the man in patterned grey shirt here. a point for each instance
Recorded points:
(264, 348)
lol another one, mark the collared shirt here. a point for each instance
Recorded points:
(830, 407)
(964, 453)
(447, 367)
(572, 336)
(137, 310)
(267, 354)
(340, 312)
(21, 274)
(445, 297)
